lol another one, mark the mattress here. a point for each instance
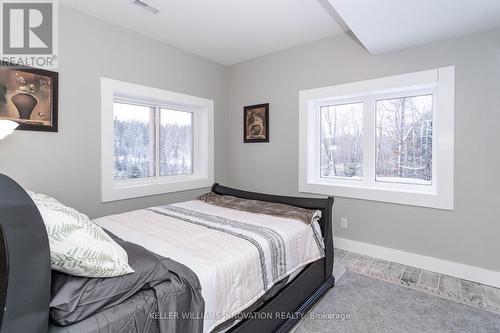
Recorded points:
(227, 325)
(238, 256)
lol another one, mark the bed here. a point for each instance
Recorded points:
(287, 293)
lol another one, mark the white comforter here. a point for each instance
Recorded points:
(237, 255)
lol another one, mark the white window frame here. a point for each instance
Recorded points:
(203, 141)
(438, 82)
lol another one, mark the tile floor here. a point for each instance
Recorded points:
(462, 291)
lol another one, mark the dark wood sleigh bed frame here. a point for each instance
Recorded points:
(25, 266)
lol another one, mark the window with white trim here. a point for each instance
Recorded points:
(388, 139)
(154, 141)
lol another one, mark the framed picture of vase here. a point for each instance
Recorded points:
(256, 123)
(29, 97)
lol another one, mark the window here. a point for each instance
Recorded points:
(388, 139)
(154, 141)
(134, 138)
(176, 142)
(404, 140)
(342, 141)
(140, 149)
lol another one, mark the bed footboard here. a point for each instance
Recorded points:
(282, 312)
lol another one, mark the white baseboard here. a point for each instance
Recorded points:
(466, 272)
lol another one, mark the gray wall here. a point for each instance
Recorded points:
(467, 235)
(67, 164)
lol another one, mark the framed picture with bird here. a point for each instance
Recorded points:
(256, 123)
(29, 96)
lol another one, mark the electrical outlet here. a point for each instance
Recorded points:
(344, 223)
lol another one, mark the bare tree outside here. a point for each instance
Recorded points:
(404, 140)
(342, 141)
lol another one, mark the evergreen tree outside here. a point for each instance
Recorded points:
(134, 147)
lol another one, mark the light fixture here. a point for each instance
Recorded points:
(7, 127)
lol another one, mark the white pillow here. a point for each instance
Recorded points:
(78, 246)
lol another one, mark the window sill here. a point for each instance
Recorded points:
(128, 189)
(422, 197)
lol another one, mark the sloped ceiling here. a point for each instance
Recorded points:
(232, 31)
(386, 25)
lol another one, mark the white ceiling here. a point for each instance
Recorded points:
(226, 31)
(386, 25)
(232, 31)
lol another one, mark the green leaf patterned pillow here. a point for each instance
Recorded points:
(77, 245)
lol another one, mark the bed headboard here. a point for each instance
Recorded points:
(325, 205)
(24, 262)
